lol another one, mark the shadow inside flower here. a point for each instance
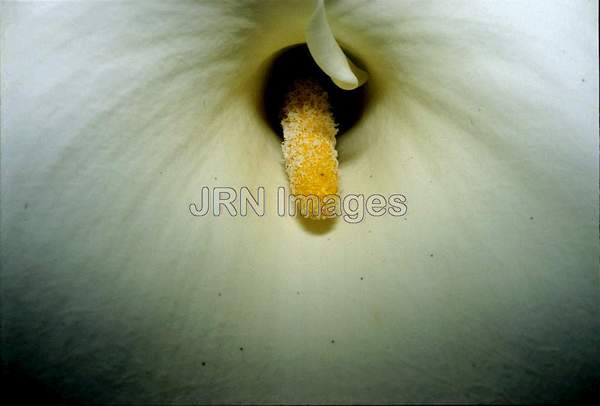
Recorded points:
(293, 63)
(317, 227)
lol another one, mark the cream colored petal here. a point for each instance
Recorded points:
(484, 114)
(328, 54)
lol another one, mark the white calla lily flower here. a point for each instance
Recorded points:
(484, 115)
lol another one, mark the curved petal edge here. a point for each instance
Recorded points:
(327, 53)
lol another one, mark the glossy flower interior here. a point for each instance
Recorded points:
(484, 114)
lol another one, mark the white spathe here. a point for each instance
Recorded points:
(327, 53)
(484, 114)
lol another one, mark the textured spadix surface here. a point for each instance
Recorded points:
(484, 114)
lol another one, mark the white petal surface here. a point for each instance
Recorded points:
(484, 114)
(328, 54)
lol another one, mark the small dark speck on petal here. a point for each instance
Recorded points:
(583, 79)
(241, 348)
(219, 293)
(361, 278)
(531, 218)
(431, 255)
(332, 341)
(26, 206)
(216, 178)
(204, 363)
(297, 293)
(370, 176)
